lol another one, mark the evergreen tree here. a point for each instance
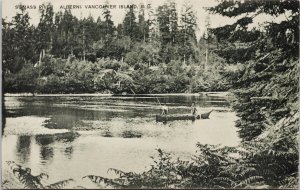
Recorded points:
(8, 50)
(143, 26)
(108, 32)
(98, 33)
(67, 26)
(262, 53)
(265, 83)
(18, 46)
(188, 27)
(57, 36)
(45, 29)
(108, 27)
(130, 27)
(167, 20)
(119, 31)
(87, 34)
(168, 28)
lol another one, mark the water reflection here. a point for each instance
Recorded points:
(44, 139)
(131, 134)
(67, 110)
(23, 148)
(43, 145)
(108, 132)
(66, 137)
(69, 152)
(46, 154)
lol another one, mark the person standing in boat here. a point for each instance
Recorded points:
(193, 109)
(165, 109)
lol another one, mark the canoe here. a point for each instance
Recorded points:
(205, 115)
(164, 118)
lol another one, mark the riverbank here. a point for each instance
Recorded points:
(222, 94)
(30, 94)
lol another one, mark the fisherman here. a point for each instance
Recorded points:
(164, 109)
(193, 109)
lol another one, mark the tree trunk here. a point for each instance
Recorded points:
(206, 58)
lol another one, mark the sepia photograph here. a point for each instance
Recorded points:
(150, 94)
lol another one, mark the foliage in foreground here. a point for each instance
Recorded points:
(212, 167)
(30, 181)
(217, 167)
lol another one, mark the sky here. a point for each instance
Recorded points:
(9, 10)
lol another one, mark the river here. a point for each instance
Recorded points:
(73, 136)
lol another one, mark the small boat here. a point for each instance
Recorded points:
(205, 115)
(164, 118)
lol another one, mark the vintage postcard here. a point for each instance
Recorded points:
(172, 94)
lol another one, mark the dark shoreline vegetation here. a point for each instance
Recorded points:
(161, 55)
(64, 54)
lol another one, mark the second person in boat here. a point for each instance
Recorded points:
(193, 109)
(165, 109)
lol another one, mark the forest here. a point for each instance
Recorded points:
(258, 65)
(66, 54)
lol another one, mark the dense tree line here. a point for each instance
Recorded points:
(61, 43)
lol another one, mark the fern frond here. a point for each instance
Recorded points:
(266, 172)
(59, 185)
(25, 177)
(218, 187)
(249, 180)
(120, 173)
(79, 187)
(12, 165)
(226, 173)
(248, 171)
(42, 176)
(223, 179)
(250, 165)
(98, 180)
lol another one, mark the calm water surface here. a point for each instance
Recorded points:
(70, 137)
